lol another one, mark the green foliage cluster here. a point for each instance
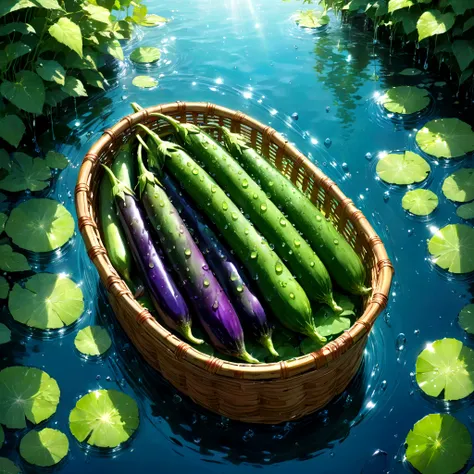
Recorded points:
(444, 27)
(52, 49)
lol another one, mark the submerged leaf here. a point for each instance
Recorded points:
(438, 443)
(446, 138)
(466, 318)
(466, 211)
(403, 168)
(420, 202)
(93, 341)
(25, 173)
(46, 301)
(104, 418)
(11, 261)
(433, 22)
(146, 54)
(26, 392)
(410, 72)
(405, 99)
(44, 448)
(459, 186)
(27, 92)
(144, 82)
(40, 225)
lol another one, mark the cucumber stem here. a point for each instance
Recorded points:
(266, 341)
(186, 332)
(315, 336)
(333, 305)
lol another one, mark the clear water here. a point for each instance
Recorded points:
(249, 55)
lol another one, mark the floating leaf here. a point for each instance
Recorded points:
(74, 87)
(311, 19)
(452, 248)
(5, 334)
(26, 392)
(446, 366)
(410, 72)
(438, 444)
(68, 33)
(459, 186)
(40, 225)
(44, 448)
(403, 168)
(466, 318)
(3, 219)
(394, 5)
(12, 129)
(27, 92)
(146, 54)
(446, 138)
(4, 288)
(466, 211)
(8, 467)
(144, 82)
(405, 99)
(46, 301)
(152, 20)
(433, 22)
(93, 341)
(56, 160)
(24, 173)
(330, 323)
(104, 418)
(50, 71)
(11, 261)
(20, 28)
(420, 202)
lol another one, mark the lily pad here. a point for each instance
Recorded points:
(93, 341)
(56, 160)
(405, 99)
(446, 138)
(330, 323)
(40, 225)
(3, 220)
(11, 261)
(466, 211)
(46, 301)
(152, 20)
(104, 418)
(466, 318)
(311, 19)
(44, 448)
(8, 467)
(26, 392)
(5, 334)
(145, 54)
(452, 248)
(144, 82)
(446, 367)
(459, 186)
(410, 72)
(403, 168)
(420, 202)
(438, 443)
(25, 172)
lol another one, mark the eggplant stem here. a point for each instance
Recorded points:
(266, 341)
(187, 333)
(245, 356)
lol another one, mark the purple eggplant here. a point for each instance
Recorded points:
(226, 268)
(167, 299)
(205, 294)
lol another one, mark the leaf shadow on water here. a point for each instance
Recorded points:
(219, 439)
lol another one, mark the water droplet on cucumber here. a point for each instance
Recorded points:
(263, 207)
(225, 206)
(234, 216)
(292, 296)
(253, 254)
(278, 268)
(195, 171)
(245, 183)
(283, 222)
(297, 243)
(187, 252)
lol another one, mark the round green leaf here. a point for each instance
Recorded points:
(12, 129)
(44, 448)
(459, 186)
(311, 19)
(3, 220)
(446, 138)
(438, 444)
(68, 33)
(93, 341)
(104, 418)
(4, 288)
(26, 392)
(420, 202)
(466, 211)
(56, 160)
(5, 334)
(410, 72)
(46, 301)
(11, 261)
(405, 99)
(7, 467)
(433, 22)
(466, 318)
(394, 5)
(452, 248)
(40, 225)
(146, 54)
(152, 20)
(50, 71)
(446, 366)
(20, 28)
(330, 323)
(403, 168)
(24, 173)
(309, 345)
(144, 82)
(27, 92)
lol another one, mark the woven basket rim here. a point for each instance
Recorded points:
(114, 283)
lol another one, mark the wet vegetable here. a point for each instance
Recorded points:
(204, 292)
(284, 294)
(225, 267)
(167, 299)
(337, 255)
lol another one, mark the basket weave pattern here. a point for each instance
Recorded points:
(263, 393)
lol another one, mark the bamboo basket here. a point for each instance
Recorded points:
(263, 393)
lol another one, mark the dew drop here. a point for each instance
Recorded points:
(225, 206)
(263, 207)
(187, 252)
(297, 243)
(245, 183)
(213, 188)
(234, 216)
(255, 196)
(283, 222)
(215, 305)
(292, 296)
(253, 254)
(311, 264)
(240, 288)
(278, 268)
(206, 283)
(368, 156)
(195, 171)
(336, 242)
(318, 218)
(151, 265)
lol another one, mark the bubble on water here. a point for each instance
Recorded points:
(368, 156)
(410, 232)
(386, 196)
(295, 116)
(108, 378)
(98, 377)
(248, 435)
(400, 342)
(345, 166)
(328, 142)
(328, 108)
(177, 398)
(383, 385)
(416, 332)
